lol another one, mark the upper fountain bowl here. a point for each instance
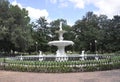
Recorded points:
(60, 31)
(61, 43)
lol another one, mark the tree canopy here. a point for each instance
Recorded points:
(15, 28)
(91, 33)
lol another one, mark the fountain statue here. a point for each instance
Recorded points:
(40, 56)
(83, 54)
(61, 43)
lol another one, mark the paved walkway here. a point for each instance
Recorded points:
(103, 76)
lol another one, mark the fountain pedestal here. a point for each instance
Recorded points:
(60, 54)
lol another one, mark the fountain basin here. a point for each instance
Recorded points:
(60, 53)
(61, 43)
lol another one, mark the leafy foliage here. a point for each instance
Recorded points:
(60, 67)
(15, 28)
(91, 33)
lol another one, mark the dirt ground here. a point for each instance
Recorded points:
(100, 76)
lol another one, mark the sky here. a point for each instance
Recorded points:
(70, 10)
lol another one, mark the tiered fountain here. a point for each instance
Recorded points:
(61, 43)
(60, 53)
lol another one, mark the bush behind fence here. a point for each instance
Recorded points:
(63, 66)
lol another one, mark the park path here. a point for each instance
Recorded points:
(100, 76)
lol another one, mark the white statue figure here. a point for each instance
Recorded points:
(40, 56)
(21, 57)
(96, 57)
(40, 52)
(83, 52)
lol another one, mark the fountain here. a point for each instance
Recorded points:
(60, 53)
(61, 43)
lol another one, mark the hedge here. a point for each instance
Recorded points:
(61, 67)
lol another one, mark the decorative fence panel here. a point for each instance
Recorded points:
(50, 65)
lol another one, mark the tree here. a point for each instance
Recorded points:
(113, 35)
(4, 10)
(20, 29)
(104, 23)
(86, 32)
(41, 34)
(15, 28)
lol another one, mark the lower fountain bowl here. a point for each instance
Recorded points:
(61, 43)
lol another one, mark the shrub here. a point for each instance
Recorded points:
(64, 66)
(89, 68)
(116, 65)
(103, 67)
